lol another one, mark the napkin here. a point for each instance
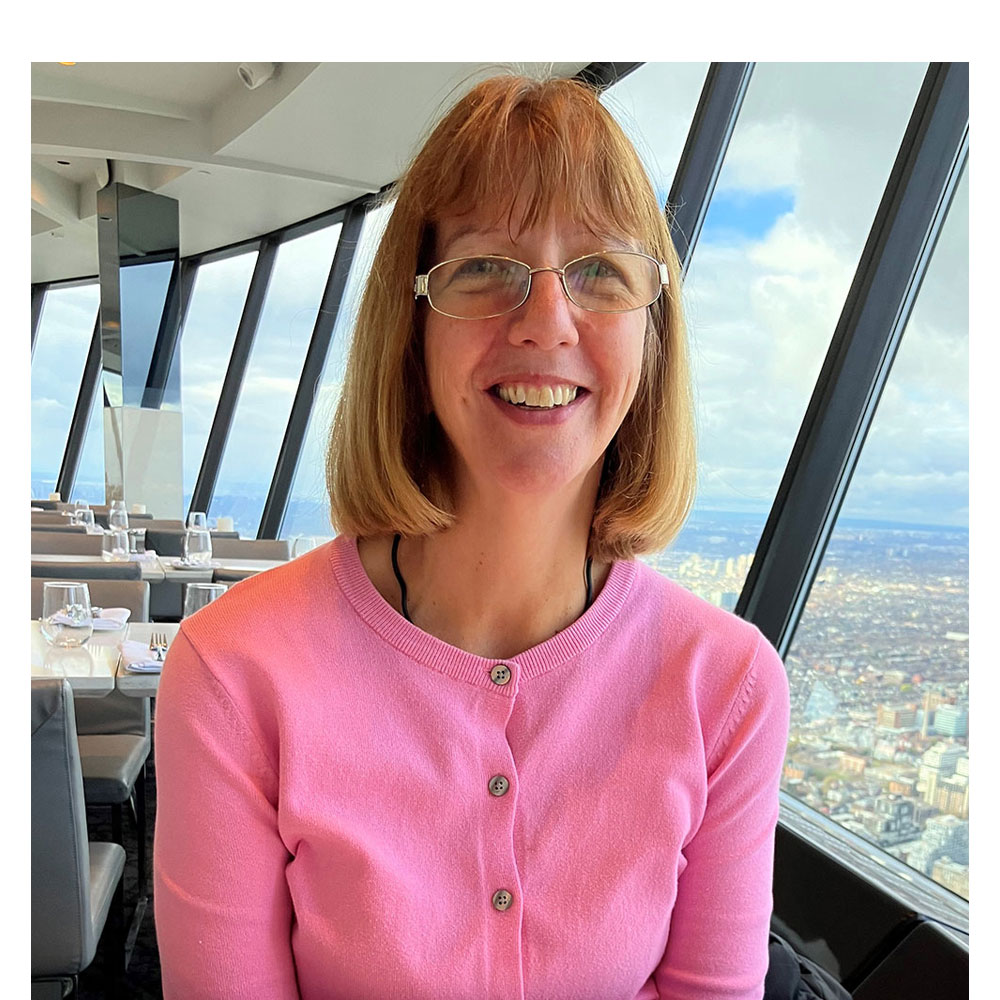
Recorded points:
(139, 658)
(106, 619)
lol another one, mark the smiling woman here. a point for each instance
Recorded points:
(474, 736)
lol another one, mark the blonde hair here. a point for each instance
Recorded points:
(386, 465)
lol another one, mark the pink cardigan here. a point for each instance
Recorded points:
(351, 808)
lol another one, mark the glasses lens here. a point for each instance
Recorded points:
(615, 281)
(477, 287)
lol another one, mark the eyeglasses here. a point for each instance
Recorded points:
(612, 281)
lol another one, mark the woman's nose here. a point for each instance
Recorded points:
(547, 318)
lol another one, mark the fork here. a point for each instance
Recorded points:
(158, 645)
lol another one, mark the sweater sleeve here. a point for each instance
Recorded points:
(717, 946)
(222, 905)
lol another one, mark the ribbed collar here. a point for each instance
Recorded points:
(439, 655)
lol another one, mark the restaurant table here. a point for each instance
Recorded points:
(90, 668)
(203, 574)
(94, 669)
(142, 684)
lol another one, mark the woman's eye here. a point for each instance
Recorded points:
(479, 267)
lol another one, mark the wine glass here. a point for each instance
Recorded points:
(197, 595)
(85, 517)
(197, 519)
(66, 614)
(197, 547)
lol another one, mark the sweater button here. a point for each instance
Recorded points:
(499, 785)
(502, 899)
(500, 674)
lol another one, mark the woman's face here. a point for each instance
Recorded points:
(548, 343)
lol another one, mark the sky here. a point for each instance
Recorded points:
(794, 202)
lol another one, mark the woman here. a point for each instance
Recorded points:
(472, 748)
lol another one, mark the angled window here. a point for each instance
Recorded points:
(308, 510)
(796, 197)
(89, 484)
(879, 665)
(213, 316)
(65, 330)
(286, 325)
(654, 105)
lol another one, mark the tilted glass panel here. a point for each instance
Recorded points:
(65, 329)
(90, 485)
(308, 510)
(879, 666)
(301, 269)
(654, 105)
(798, 192)
(213, 317)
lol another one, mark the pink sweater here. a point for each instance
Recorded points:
(351, 808)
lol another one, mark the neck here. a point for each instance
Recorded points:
(507, 576)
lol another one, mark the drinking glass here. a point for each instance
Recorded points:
(66, 615)
(302, 544)
(197, 547)
(197, 519)
(114, 545)
(86, 518)
(197, 595)
(118, 515)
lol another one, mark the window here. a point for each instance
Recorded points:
(879, 666)
(90, 484)
(286, 325)
(654, 105)
(213, 317)
(799, 188)
(308, 510)
(65, 330)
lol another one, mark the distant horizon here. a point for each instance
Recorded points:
(261, 490)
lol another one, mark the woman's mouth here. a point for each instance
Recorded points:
(536, 397)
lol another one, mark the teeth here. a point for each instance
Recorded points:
(543, 397)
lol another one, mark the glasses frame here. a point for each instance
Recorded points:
(421, 283)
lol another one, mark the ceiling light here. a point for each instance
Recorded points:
(63, 163)
(254, 74)
(67, 64)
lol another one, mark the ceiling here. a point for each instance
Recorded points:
(240, 161)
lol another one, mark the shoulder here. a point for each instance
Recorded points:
(729, 667)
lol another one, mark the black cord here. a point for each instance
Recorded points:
(590, 582)
(399, 577)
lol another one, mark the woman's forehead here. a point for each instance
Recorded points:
(478, 226)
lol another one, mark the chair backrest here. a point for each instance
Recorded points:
(97, 570)
(62, 526)
(48, 517)
(62, 933)
(170, 541)
(114, 714)
(66, 543)
(45, 504)
(224, 575)
(250, 548)
(131, 594)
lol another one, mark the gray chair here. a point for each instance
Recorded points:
(115, 732)
(170, 541)
(66, 543)
(45, 504)
(48, 517)
(250, 548)
(74, 884)
(131, 594)
(64, 527)
(97, 570)
(225, 574)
